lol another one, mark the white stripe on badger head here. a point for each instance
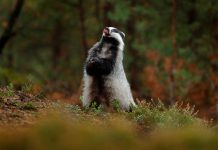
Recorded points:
(118, 37)
(111, 28)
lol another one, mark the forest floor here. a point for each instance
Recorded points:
(30, 121)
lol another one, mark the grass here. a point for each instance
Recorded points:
(158, 116)
(18, 107)
(29, 106)
(56, 125)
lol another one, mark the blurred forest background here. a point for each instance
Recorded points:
(171, 50)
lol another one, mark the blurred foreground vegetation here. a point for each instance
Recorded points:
(115, 133)
(32, 122)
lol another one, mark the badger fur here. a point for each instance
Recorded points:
(104, 76)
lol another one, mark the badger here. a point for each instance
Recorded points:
(104, 76)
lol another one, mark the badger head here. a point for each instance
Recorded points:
(106, 53)
(114, 33)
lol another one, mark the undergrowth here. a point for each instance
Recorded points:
(65, 126)
(147, 115)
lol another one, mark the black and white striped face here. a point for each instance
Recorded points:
(102, 57)
(114, 33)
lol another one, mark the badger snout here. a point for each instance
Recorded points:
(106, 31)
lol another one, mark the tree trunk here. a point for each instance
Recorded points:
(82, 27)
(97, 9)
(172, 85)
(8, 32)
(57, 43)
(134, 82)
(80, 7)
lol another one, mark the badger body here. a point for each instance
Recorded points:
(104, 76)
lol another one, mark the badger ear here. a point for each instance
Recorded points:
(122, 35)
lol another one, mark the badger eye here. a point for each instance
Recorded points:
(122, 35)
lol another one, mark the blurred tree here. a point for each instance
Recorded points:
(8, 32)
(82, 25)
(172, 81)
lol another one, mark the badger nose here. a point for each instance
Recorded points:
(106, 30)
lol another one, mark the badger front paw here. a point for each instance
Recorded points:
(92, 65)
(93, 61)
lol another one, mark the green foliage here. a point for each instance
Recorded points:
(41, 95)
(27, 87)
(157, 115)
(8, 76)
(29, 106)
(121, 12)
(94, 107)
(147, 115)
(73, 108)
(116, 105)
(81, 98)
(7, 92)
(13, 99)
